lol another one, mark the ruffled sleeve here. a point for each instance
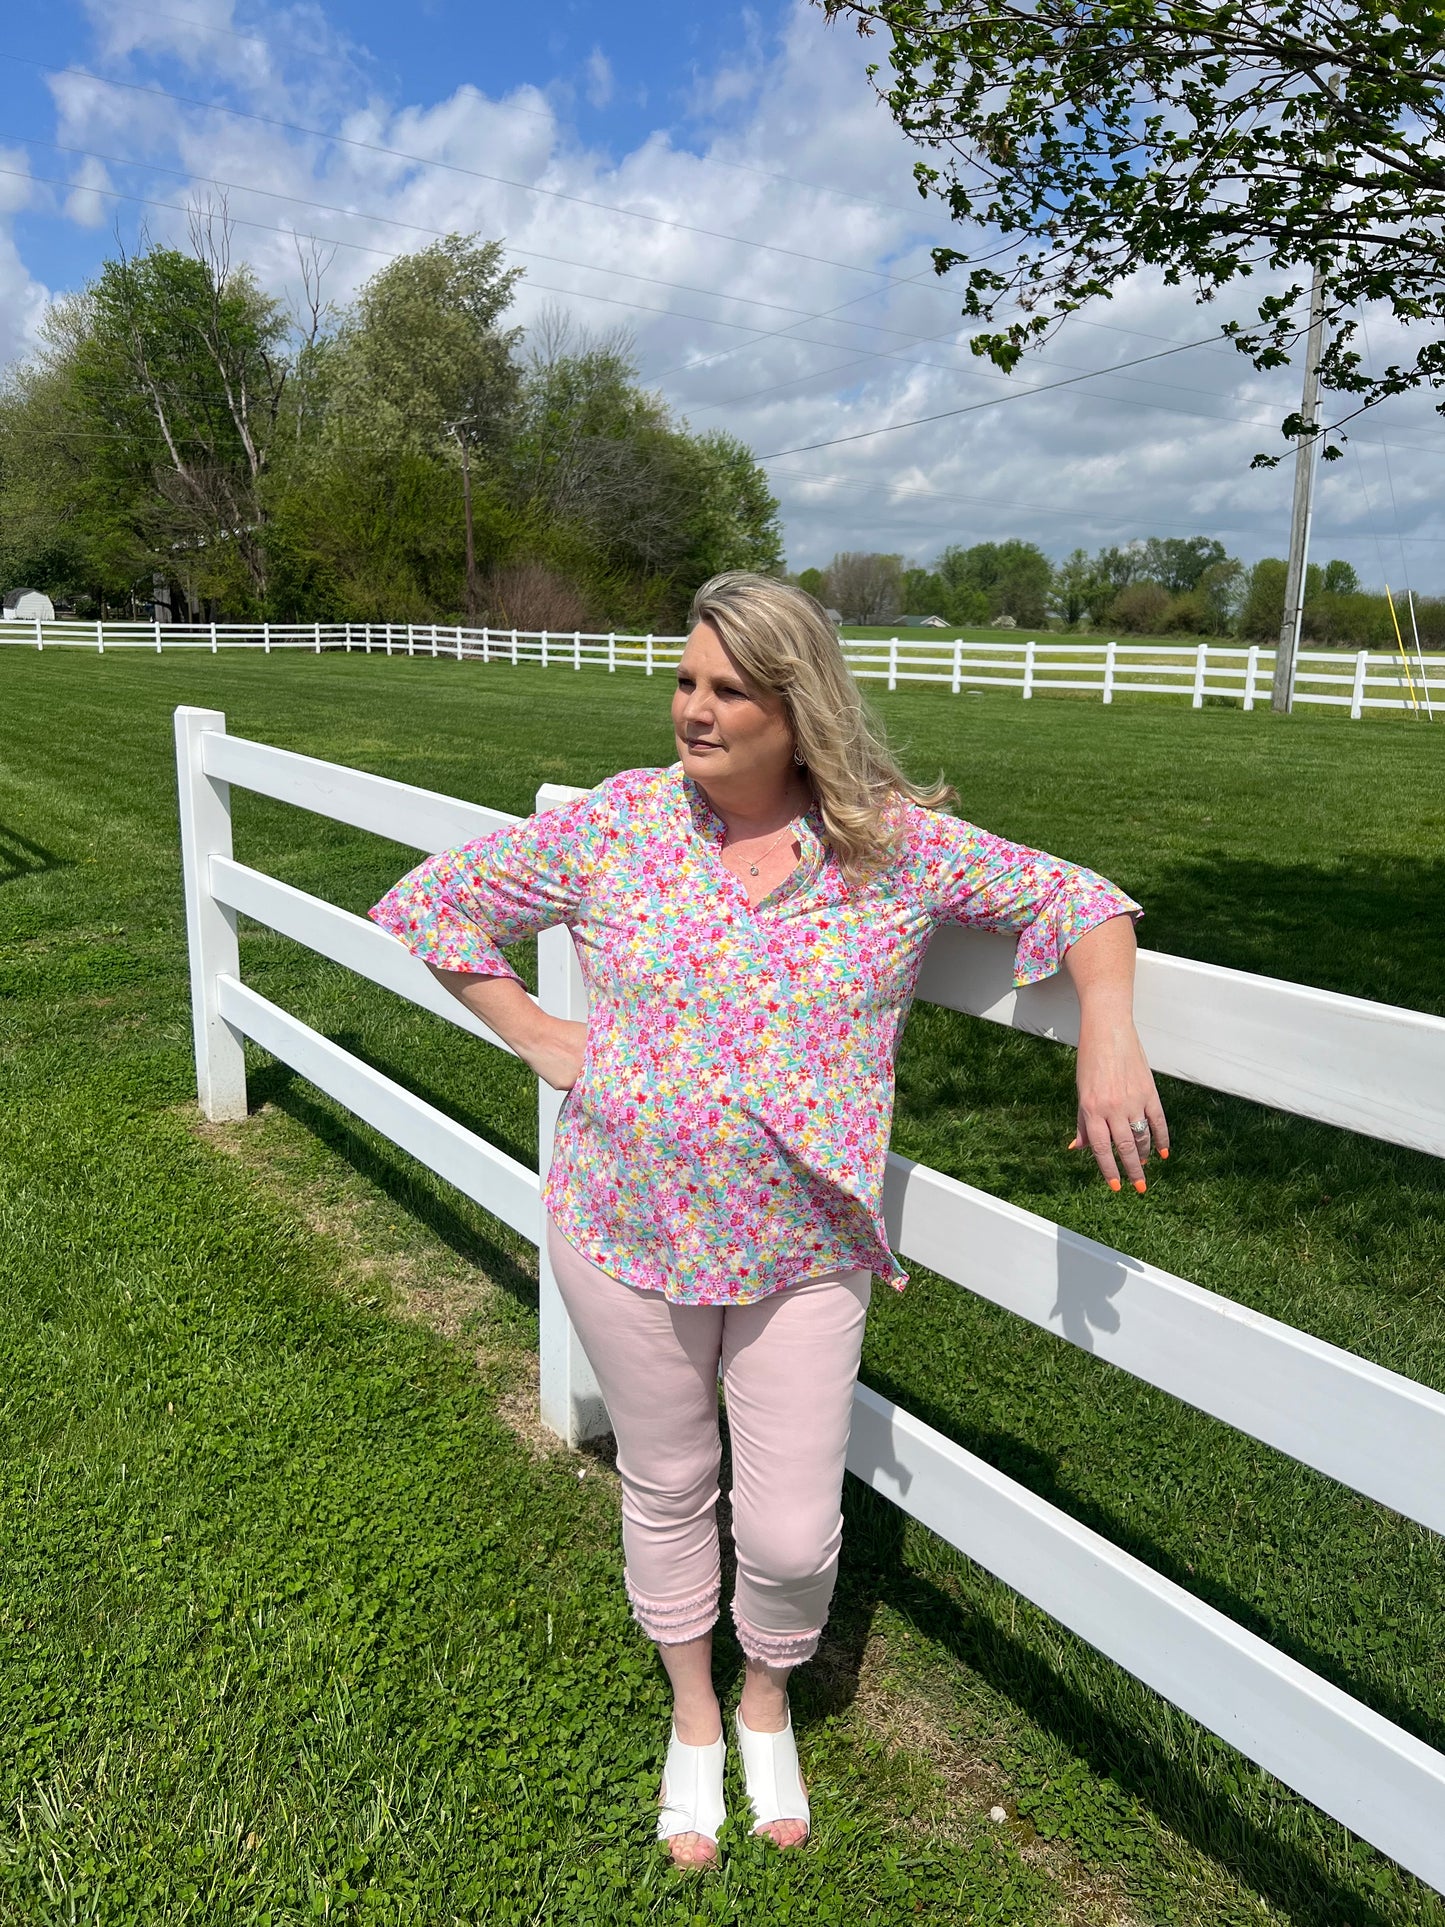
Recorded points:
(458, 908)
(971, 877)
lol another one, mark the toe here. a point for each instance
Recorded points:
(691, 1850)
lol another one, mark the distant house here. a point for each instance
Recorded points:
(922, 622)
(28, 605)
(835, 616)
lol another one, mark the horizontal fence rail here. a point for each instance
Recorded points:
(1034, 665)
(1304, 1050)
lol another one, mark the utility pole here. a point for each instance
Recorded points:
(474, 593)
(1306, 461)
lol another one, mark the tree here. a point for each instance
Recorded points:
(866, 588)
(1222, 586)
(1076, 587)
(1204, 141)
(991, 579)
(1340, 579)
(810, 581)
(1178, 564)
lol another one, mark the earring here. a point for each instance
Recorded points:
(801, 761)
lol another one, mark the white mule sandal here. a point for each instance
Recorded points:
(692, 1790)
(770, 1773)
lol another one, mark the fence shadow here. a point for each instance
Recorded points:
(1367, 926)
(876, 1571)
(19, 857)
(398, 1176)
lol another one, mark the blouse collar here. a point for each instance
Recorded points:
(707, 823)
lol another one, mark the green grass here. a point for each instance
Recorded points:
(294, 1623)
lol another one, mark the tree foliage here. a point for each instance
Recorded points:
(178, 425)
(1088, 139)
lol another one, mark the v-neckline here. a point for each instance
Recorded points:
(710, 827)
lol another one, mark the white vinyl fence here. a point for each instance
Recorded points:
(1032, 665)
(1364, 1066)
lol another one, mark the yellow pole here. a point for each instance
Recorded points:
(1409, 679)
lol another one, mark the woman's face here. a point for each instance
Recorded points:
(730, 734)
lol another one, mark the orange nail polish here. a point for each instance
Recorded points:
(1140, 1185)
(1162, 1152)
(1113, 1184)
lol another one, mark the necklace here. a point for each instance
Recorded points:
(753, 867)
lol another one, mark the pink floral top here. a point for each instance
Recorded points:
(728, 1133)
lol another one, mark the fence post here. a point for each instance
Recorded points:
(1028, 669)
(957, 664)
(544, 648)
(210, 928)
(572, 1403)
(1357, 694)
(514, 648)
(576, 648)
(158, 638)
(893, 663)
(1197, 702)
(458, 634)
(1110, 657)
(39, 639)
(265, 638)
(649, 655)
(611, 651)
(99, 639)
(1251, 673)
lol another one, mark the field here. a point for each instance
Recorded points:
(302, 1615)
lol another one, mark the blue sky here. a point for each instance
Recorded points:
(723, 186)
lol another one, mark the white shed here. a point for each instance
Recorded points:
(28, 605)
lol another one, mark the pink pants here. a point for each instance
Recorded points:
(789, 1364)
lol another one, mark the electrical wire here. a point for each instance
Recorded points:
(508, 106)
(970, 408)
(451, 167)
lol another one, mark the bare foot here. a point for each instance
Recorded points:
(786, 1833)
(692, 1850)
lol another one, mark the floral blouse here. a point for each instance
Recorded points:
(728, 1133)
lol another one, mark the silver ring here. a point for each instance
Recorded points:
(1141, 1129)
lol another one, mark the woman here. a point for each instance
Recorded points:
(750, 923)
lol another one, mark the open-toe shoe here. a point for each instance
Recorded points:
(692, 1790)
(771, 1776)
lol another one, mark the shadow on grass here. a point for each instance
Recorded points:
(406, 1183)
(878, 1571)
(1369, 927)
(19, 857)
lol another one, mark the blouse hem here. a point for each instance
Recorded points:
(817, 1266)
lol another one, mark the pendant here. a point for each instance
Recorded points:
(752, 869)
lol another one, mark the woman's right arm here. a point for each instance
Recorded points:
(551, 1046)
(457, 910)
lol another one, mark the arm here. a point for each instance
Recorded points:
(1116, 1086)
(550, 1046)
(458, 909)
(1063, 915)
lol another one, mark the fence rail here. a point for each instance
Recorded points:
(1307, 1051)
(1201, 672)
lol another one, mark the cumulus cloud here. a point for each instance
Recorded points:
(771, 256)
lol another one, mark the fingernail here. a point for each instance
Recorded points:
(1140, 1185)
(1162, 1152)
(1113, 1184)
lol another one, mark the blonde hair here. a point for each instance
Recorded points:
(784, 641)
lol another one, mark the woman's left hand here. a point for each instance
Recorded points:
(1116, 1092)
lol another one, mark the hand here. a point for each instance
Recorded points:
(1116, 1088)
(555, 1051)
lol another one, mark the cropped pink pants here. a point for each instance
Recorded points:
(789, 1365)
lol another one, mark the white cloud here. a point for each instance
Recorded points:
(835, 326)
(600, 83)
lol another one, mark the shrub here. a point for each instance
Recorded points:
(529, 595)
(1141, 609)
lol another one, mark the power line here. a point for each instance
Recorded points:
(451, 167)
(507, 106)
(419, 227)
(994, 401)
(362, 247)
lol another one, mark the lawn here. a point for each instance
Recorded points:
(301, 1616)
